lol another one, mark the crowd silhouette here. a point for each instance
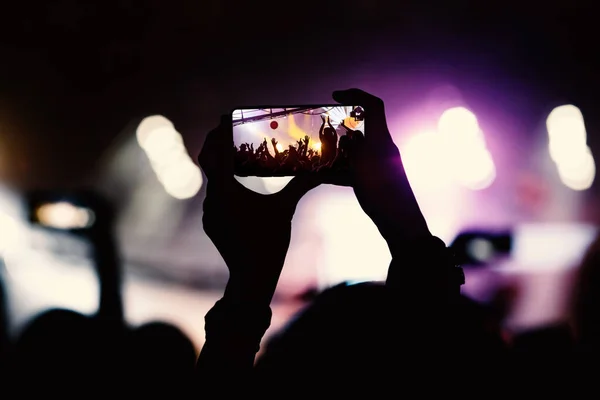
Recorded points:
(332, 154)
(415, 334)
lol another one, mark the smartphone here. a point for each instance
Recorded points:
(530, 246)
(294, 140)
(482, 247)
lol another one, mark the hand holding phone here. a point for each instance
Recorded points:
(253, 272)
(377, 174)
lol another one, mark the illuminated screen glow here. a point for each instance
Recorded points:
(278, 142)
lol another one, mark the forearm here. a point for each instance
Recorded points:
(108, 270)
(235, 326)
(233, 336)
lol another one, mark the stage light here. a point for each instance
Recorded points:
(459, 124)
(177, 173)
(149, 125)
(470, 162)
(279, 147)
(63, 215)
(425, 161)
(566, 133)
(578, 173)
(10, 234)
(180, 176)
(181, 189)
(475, 170)
(317, 146)
(181, 179)
(162, 141)
(568, 148)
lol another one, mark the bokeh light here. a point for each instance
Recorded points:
(566, 132)
(456, 152)
(180, 176)
(567, 142)
(425, 162)
(10, 234)
(63, 215)
(474, 170)
(578, 173)
(149, 125)
(459, 124)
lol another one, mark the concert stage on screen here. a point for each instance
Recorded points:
(289, 141)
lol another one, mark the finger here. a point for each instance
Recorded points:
(297, 188)
(377, 136)
(216, 156)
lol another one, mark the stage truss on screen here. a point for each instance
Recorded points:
(260, 114)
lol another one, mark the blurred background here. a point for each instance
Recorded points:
(493, 106)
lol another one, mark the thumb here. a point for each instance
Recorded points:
(216, 157)
(298, 187)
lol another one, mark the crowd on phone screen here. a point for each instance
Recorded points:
(399, 337)
(266, 159)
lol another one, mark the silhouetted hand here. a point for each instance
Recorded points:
(253, 273)
(378, 177)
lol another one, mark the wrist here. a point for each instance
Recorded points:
(401, 239)
(424, 260)
(237, 324)
(250, 291)
(410, 245)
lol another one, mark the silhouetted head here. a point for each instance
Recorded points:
(160, 350)
(586, 298)
(329, 132)
(359, 333)
(56, 343)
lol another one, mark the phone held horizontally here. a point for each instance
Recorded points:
(295, 140)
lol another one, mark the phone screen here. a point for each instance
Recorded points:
(290, 141)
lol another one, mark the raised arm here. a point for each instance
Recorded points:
(390, 202)
(236, 324)
(274, 143)
(329, 123)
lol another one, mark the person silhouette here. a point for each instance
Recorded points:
(61, 342)
(343, 325)
(329, 140)
(160, 357)
(5, 340)
(101, 348)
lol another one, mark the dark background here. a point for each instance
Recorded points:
(74, 74)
